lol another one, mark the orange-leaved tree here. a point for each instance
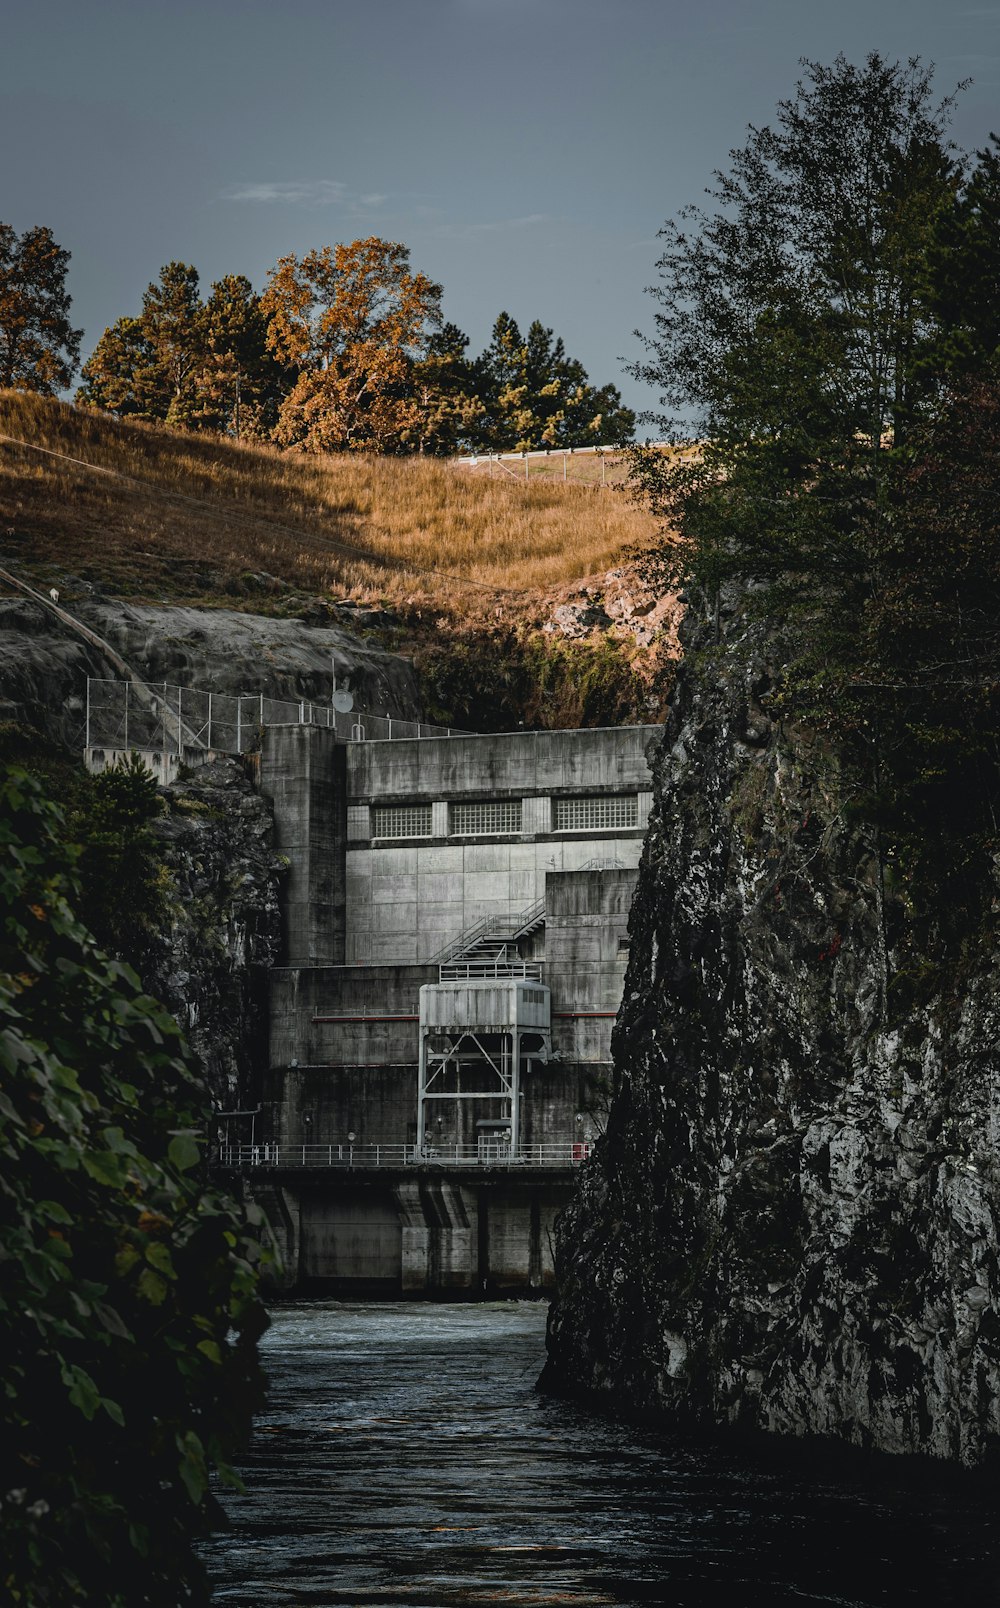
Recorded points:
(350, 321)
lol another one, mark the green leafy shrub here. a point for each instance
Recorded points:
(129, 1311)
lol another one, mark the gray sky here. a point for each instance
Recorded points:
(527, 151)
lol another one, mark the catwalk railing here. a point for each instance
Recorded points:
(488, 1153)
(166, 718)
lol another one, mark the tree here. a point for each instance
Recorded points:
(792, 326)
(964, 278)
(534, 396)
(148, 367)
(449, 414)
(129, 1313)
(122, 374)
(173, 322)
(828, 331)
(239, 383)
(39, 350)
(350, 322)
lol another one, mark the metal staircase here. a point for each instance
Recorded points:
(489, 949)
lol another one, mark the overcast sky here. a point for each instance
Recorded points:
(527, 151)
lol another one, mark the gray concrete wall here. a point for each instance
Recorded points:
(586, 953)
(323, 1105)
(303, 773)
(429, 1235)
(407, 899)
(370, 902)
(377, 1007)
(502, 765)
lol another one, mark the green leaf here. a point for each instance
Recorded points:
(158, 1256)
(192, 1466)
(183, 1152)
(105, 1168)
(83, 1393)
(151, 1287)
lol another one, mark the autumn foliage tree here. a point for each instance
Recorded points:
(345, 350)
(39, 349)
(350, 322)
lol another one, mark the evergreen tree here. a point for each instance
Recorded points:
(39, 349)
(792, 331)
(239, 383)
(173, 322)
(830, 332)
(534, 396)
(964, 278)
(449, 413)
(148, 367)
(122, 375)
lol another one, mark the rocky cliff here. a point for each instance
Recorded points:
(44, 666)
(791, 1225)
(222, 928)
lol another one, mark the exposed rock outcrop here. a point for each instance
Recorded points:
(224, 928)
(43, 667)
(623, 603)
(791, 1224)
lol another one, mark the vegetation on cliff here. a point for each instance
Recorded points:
(791, 1223)
(129, 1313)
(833, 326)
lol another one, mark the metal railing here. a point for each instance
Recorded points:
(164, 717)
(504, 928)
(498, 966)
(491, 1153)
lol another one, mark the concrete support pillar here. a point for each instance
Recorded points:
(440, 1236)
(439, 820)
(304, 773)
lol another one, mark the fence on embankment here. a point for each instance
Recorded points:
(162, 717)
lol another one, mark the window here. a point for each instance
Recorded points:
(595, 814)
(488, 818)
(401, 820)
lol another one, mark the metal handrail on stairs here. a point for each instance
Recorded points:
(507, 928)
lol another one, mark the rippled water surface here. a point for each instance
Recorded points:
(406, 1460)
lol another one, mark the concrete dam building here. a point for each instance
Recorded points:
(456, 921)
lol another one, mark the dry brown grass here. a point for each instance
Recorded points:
(185, 517)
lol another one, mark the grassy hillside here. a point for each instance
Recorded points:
(156, 514)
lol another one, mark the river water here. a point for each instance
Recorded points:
(405, 1459)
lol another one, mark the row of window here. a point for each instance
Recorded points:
(502, 817)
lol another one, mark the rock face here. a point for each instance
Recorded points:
(224, 927)
(43, 666)
(623, 603)
(791, 1225)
